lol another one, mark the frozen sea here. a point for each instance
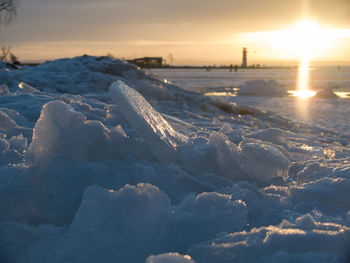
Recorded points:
(330, 113)
(103, 162)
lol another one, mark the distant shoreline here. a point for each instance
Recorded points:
(198, 67)
(222, 67)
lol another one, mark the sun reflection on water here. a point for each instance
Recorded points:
(303, 90)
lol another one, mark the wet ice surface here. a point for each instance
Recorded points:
(102, 162)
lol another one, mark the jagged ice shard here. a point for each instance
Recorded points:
(148, 123)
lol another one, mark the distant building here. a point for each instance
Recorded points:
(244, 61)
(148, 62)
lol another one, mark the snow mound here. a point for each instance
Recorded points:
(72, 75)
(326, 93)
(132, 218)
(148, 123)
(170, 258)
(262, 88)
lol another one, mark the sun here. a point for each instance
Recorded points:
(306, 40)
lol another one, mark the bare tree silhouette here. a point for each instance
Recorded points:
(7, 56)
(7, 10)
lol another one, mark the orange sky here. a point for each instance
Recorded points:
(194, 31)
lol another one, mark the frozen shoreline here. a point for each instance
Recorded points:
(96, 172)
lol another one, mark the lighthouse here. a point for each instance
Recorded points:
(244, 61)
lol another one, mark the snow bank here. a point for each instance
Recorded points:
(262, 88)
(78, 75)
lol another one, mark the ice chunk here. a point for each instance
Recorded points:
(19, 143)
(26, 88)
(227, 156)
(262, 161)
(4, 90)
(25, 243)
(4, 146)
(127, 225)
(170, 258)
(273, 135)
(262, 88)
(148, 123)
(61, 131)
(215, 154)
(214, 212)
(6, 123)
(15, 116)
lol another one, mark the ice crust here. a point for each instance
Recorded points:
(103, 162)
(305, 240)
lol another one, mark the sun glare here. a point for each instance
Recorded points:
(307, 38)
(305, 41)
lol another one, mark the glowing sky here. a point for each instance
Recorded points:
(194, 31)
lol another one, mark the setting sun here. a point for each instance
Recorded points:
(307, 39)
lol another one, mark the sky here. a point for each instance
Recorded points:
(193, 31)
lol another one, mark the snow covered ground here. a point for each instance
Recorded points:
(102, 162)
